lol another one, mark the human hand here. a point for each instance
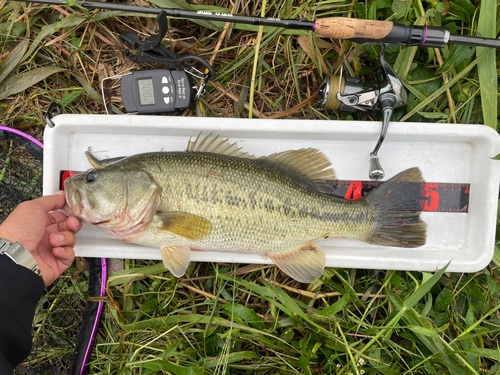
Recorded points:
(48, 236)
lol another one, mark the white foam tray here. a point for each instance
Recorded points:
(444, 153)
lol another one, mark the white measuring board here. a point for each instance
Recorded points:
(445, 153)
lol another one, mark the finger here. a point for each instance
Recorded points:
(51, 202)
(62, 239)
(65, 256)
(72, 224)
(55, 217)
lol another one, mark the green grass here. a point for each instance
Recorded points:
(252, 319)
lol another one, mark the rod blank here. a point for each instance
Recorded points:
(190, 14)
(357, 30)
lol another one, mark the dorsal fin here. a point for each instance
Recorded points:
(96, 163)
(216, 145)
(309, 162)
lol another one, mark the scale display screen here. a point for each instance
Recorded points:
(146, 93)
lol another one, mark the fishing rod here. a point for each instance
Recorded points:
(336, 93)
(356, 30)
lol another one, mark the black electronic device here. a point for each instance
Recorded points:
(156, 91)
(160, 90)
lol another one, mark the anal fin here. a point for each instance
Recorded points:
(176, 259)
(304, 264)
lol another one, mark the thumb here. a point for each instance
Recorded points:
(51, 202)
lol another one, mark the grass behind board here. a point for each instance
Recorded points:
(237, 319)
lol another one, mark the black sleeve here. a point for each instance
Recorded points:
(20, 290)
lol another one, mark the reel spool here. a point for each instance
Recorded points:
(350, 95)
(330, 87)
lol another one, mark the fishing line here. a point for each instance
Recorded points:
(119, 76)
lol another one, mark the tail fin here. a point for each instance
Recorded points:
(396, 208)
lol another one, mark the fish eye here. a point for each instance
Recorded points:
(91, 177)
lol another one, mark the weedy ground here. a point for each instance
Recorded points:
(242, 319)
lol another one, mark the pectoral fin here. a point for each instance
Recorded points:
(176, 259)
(304, 264)
(192, 227)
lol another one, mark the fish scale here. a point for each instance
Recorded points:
(250, 204)
(215, 197)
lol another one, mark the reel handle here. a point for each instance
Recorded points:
(376, 172)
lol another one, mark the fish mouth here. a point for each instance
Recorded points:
(78, 204)
(66, 210)
(101, 222)
(74, 199)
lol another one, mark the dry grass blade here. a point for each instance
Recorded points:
(12, 59)
(256, 61)
(196, 290)
(293, 110)
(323, 295)
(180, 4)
(17, 83)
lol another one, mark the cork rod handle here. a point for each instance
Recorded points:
(350, 28)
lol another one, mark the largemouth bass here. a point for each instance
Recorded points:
(215, 197)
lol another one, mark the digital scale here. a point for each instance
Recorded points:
(156, 91)
(160, 90)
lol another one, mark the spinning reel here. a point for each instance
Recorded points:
(351, 95)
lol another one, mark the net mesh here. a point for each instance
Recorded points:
(57, 323)
(20, 176)
(60, 325)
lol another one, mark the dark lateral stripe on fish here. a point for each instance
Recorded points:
(433, 196)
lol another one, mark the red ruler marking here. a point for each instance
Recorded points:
(434, 196)
(63, 176)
